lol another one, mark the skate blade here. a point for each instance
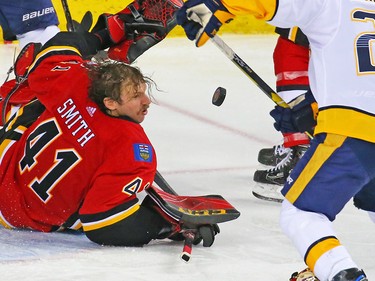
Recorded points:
(268, 192)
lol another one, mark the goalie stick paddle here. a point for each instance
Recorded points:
(195, 210)
(249, 72)
(198, 210)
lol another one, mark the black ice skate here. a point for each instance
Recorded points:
(273, 156)
(281, 171)
(351, 274)
(269, 182)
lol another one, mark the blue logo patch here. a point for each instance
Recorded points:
(142, 152)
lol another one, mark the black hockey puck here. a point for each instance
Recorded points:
(219, 96)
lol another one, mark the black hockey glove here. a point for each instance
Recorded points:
(205, 233)
(141, 25)
(84, 25)
(299, 117)
(202, 19)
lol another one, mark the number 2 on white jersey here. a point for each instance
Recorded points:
(365, 43)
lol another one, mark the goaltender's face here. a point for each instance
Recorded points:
(134, 102)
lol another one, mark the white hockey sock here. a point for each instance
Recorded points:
(332, 262)
(304, 229)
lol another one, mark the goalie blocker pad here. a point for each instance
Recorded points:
(196, 210)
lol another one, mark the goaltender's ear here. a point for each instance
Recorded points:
(109, 103)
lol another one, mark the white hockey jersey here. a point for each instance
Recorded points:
(342, 63)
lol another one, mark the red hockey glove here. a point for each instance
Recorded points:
(201, 19)
(110, 29)
(299, 117)
(146, 24)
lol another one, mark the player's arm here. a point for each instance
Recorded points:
(261, 9)
(201, 19)
(146, 24)
(300, 116)
(127, 34)
(293, 34)
(135, 29)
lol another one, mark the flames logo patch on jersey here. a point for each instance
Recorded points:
(142, 152)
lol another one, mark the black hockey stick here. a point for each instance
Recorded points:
(249, 72)
(68, 16)
(163, 184)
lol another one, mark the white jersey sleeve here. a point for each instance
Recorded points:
(342, 64)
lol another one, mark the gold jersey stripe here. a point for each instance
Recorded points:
(346, 122)
(319, 249)
(52, 49)
(111, 220)
(264, 9)
(321, 154)
(4, 222)
(293, 33)
(17, 114)
(4, 146)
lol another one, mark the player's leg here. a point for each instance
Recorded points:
(278, 174)
(137, 229)
(333, 170)
(148, 222)
(270, 181)
(291, 68)
(29, 21)
(291, 71)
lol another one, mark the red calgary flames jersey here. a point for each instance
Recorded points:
(73, 162)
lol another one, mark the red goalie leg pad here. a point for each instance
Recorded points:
(294, 139)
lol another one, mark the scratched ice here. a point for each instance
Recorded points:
(202, 149)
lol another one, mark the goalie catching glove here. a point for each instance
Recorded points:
(201, 19)
(300, 116)
(141, 25)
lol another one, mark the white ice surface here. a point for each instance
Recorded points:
(202, 149)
